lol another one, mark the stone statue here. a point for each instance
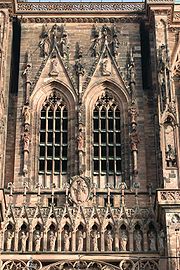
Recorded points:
(123, 240)
(26, 140)
(138, 240)
(52, 240)
(109, 241)
(53, 68)
(95, 235)
(133, 114)
(9, 237)
(134, 140)
(37, 240)
(170, 156)
(115, 42)
(131, 69)
(80, 240)
(152, 240)
(80, 140)
(161, 238)
(64, 48)
(26, 115)
(67, 237)
(106, 66)
(23, 238)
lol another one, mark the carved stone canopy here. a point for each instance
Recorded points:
(79, 189)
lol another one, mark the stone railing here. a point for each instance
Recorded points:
(168, 196)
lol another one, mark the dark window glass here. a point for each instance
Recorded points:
(42, 151)
(50, 113)
(96, 165)
(64, 151)
(49, 165)
(50, 137)
(64, 127)
(41, 165)
(42, 137)
(118, 137)
(111, 165)
(43, 113)
(103, 123)
(50, 124)
(96, 137)
(57, 151)
(64, 138)
(96, 151)
(57, 137)
(103, 137)
(43, 124)
(103, 165)
(111, 151)
(57, 124)
(64, 165)
(110, 124)
(57, 166)
(49, 151)
(103, 151)
(96, 124)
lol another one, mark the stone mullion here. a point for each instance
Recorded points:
(2, 240)
(59, 234)
(145, 238)
(45, 240)
(16, 233)
(88, 238)
(31, 239)
(131, 240)
(116, 239)
(102, 240)
(74, 240)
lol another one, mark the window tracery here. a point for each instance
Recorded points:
(106, 140)
(53, 139)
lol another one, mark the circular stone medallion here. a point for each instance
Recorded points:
(79, 190)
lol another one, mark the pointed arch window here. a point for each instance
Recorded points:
(106, 141)
(53, 136)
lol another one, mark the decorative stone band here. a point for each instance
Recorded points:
(160, 1)
(78, 7)
(168, 196)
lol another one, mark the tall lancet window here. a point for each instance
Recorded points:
(53, 141)
(106, 141)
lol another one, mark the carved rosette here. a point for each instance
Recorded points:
(79, 189)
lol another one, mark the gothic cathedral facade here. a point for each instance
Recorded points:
(89, 135)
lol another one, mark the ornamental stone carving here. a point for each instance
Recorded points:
(79, 190)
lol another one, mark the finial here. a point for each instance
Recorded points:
(122, 187)
(66, 186)
(25, 185)
(39, 186)
(108, 186)
(53, 186)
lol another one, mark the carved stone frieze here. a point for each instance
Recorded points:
(133, 18)
(124, 264)
(168, 196)
(75, 7)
